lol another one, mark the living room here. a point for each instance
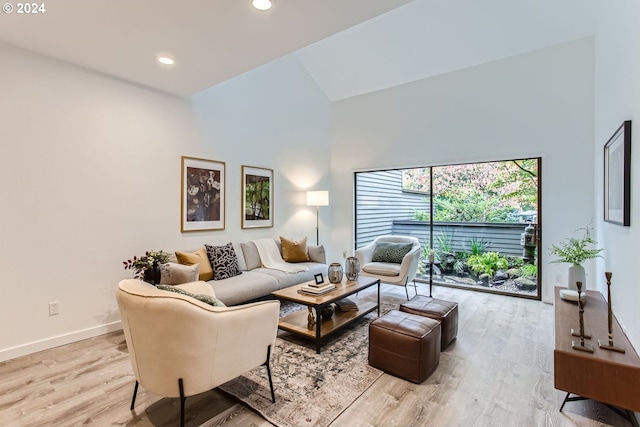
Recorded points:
(97, 162)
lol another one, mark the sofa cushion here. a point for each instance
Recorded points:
(245, 287)
(382, 268)
(251, 255)
(200, 297)
(289, 279)
(294, 250)
(390, 252)
(176, 274)
(316, 254)
(240, 256)
(224, 261)
(198, 257)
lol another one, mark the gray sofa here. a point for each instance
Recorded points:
(256, 281)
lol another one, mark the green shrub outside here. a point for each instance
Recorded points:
(487, 263)
(529, 271)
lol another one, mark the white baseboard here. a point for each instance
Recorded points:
(45, 344)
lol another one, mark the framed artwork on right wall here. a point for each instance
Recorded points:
(617, 176)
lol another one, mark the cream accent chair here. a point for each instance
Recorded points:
(180, 346)
(395, 274)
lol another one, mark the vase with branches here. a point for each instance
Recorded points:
(147, 267)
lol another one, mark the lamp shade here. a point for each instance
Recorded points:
(318, 198)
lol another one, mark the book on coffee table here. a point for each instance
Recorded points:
(317, 291)
(345, 304)
(319, 286)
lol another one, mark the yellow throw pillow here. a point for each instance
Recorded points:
(294, 251)
(198, 257)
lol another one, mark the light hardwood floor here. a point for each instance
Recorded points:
(499, 372)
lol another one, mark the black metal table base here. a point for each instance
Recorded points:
(624, 413)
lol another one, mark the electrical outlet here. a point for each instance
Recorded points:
(53, 308)
(344, 254)
(559, 279)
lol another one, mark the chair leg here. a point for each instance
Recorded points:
(182, 400)
(406, 290)
(273, 395)
(135, 392)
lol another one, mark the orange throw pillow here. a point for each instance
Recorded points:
(294, 251)
(198, 257)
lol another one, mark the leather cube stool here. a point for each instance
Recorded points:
(444, 311)
(404, 345)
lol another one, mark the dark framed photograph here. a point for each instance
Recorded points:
(617, 176)
(202, 195)
(319, 279)
(257, 197)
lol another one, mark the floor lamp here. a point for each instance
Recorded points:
(317, 199)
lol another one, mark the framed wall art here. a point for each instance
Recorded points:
(257, 197)
(202, 195)
(617, 174)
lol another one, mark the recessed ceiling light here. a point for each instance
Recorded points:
(165, 60)
(262, 4)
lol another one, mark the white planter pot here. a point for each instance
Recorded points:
(577, 274)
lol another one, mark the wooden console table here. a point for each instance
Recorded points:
(606, 376)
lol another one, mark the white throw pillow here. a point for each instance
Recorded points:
(176, 274)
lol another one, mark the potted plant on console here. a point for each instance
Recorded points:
(147, 267)
(575, 251)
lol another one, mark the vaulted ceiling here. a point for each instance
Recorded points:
(349, 47)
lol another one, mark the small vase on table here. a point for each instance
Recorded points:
(335, 273)
(352, 268)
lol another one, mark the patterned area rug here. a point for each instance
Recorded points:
(312, 389)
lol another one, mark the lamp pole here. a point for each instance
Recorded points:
(317, 225)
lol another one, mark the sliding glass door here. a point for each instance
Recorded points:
(480, 221)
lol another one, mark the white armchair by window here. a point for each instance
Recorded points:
(389, 265)
(180, 346)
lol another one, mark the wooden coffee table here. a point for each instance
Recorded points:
(305, 323)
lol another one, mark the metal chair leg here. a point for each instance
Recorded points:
(182, 400)
(135, 392)
(273, 395)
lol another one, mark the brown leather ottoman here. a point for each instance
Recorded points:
(404, 345)
(444, 311)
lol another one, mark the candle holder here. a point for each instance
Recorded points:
(580, 345)
(581, 300)
(609, 345)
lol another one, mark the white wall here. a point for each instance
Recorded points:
(535, 104)
(90, 176)
(617, 98)
(273, 117)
